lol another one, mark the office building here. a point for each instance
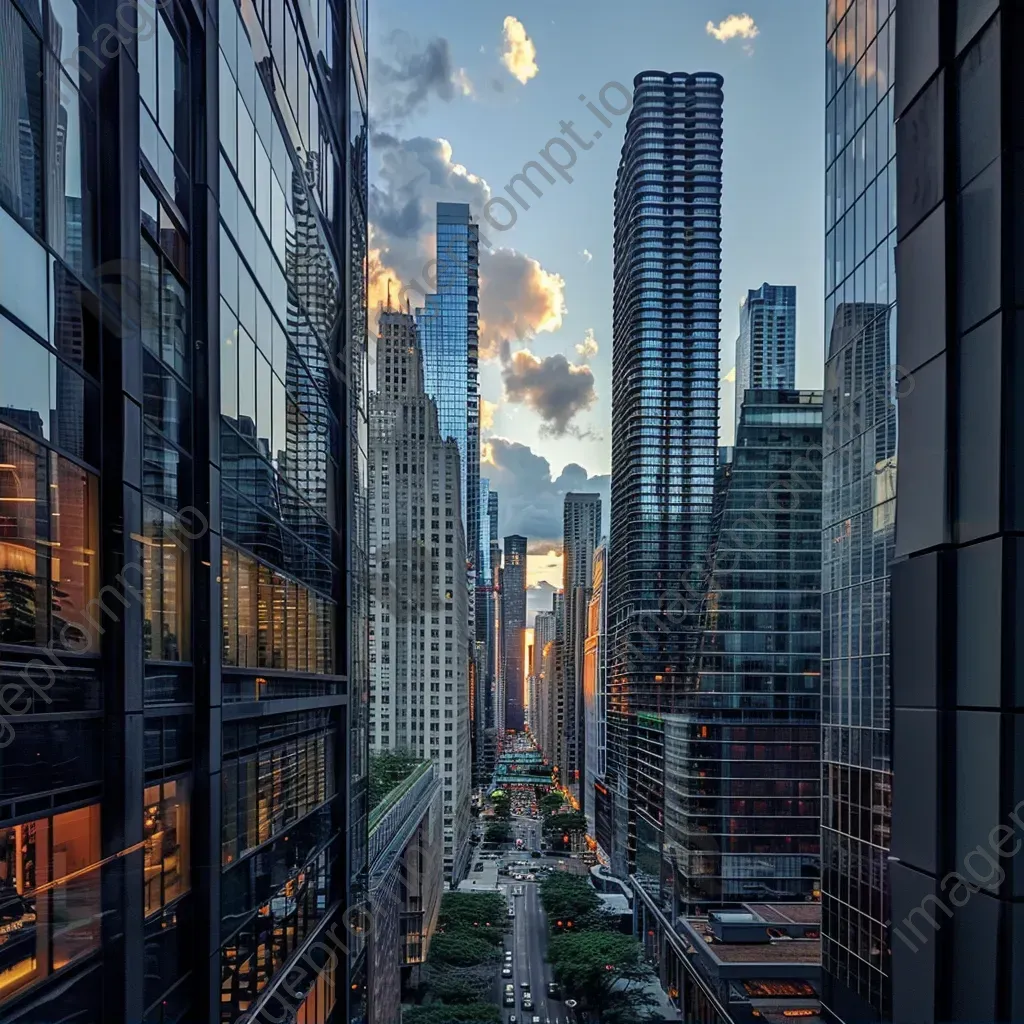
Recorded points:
(749, 778)
(513, 607)
(449, 333)
(957, 813)
(182, 568)
(766, 346)
(541, 719)
(595, 712)
(406, 879)
(419, 633)
(665, 371)
(581, 530)
(858, 506)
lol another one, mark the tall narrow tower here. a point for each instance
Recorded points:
(665, 335)
(513, 600)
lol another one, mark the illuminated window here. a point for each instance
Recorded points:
(166, 829)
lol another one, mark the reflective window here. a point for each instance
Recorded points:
(50, 910)
(166, 623)
(21, 185)
(166, 830)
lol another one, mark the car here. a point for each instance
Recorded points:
(527, 1003)
(536, 1020)
(518, 876)
(510, 999)
(511, 911)
(509, 988)
(512, 1018)
(554, 992)
(531, 877)
(478, 867)
(525, 986)
(506, 971)
(536, 855)
(508, 955)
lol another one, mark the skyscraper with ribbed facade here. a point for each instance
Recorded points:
(513, 606)
(665, 368)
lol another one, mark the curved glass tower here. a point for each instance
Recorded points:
(665, 336)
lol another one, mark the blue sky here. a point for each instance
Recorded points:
(442, 77)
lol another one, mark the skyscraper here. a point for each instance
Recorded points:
(449, 331)
(183, 559)
(595, 711)
(418, 703)
(957, 608)
(581, 530)
(858, 505)
(513, 603)
(750, 740)
(665, 335)
(766, 346)
(542, 720)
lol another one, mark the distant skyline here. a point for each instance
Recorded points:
(464, 96)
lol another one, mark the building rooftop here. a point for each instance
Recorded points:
(788, 913)
(784, 933)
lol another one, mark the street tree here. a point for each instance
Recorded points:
(498, 832)
(471, 910)
(568, 897)
(604, 971)
(470, 1013)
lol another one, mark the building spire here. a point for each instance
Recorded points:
(389, 294)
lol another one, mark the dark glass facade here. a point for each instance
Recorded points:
(858, 504)
(182, 541)
(513, 629)
(956, 873)
(665, 328)
(746, 768)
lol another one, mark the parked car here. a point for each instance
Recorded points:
(554, 992)
(527, 1003)
(510, 999)
(506, 972)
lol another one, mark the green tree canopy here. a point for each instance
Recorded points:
(568, 896)
(498, 832)
(387, 769)
(469, 1013)
(459, 985)
(502, 808)
(550, 804)
(461, 947)
(572, 821)
(471, 910)
(604, 971)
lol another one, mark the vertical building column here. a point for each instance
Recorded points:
(120, 627)
(957, 931)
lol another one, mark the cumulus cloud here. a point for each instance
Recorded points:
(404, 81)
(518, 297)
(735, 26)
(588, 347)
(538, 598)
(487, 411)
(587, 255)
(519, 55)
(552, 386)
(530, 497)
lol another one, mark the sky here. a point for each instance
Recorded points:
(464, 94)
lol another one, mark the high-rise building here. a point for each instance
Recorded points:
(750, 785)
(595, 721)
(665, 337)
(183, 557)
(581, 530)
(542, 721)
(419, 678)
(766, 346)
(449, 333)
(957, 607)
(858, 505)
(513, 605)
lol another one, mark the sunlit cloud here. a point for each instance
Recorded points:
(587, 255)
(588, 347)
(730, 376)
(735, 26)
(487, 411)
(519, 54)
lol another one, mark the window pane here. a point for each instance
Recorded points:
(21, 69)
(74, 558)
(26, 369)
(23, 281)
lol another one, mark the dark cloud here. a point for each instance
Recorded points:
(529, 498)
(403, 82)
(518, 297)
(552, 386)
